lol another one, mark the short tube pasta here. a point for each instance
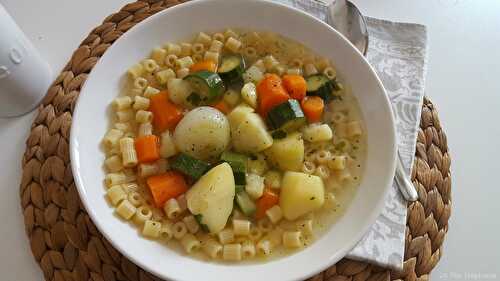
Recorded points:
(337, 163)
(212, 56)
(125, 210)
(310, 69)
(322, 172)
(241, 227)
(198, 48)
(216, 46)
(172, 209)
(151, 229)
(212, 248)
(264, 247)
(140, 83)
(186, 49)
(226, 236)
(292, 239)
(166, 232)
(232, 252)
(145, 170)
(190, 243)
(164, 76)
(218, 37)
(145, 129)
(135, 71)
(265, 225)
(112, 137)
(233, 44)
(122, 103)
(142, 116)
(150, 91)
(142, 214)
(308, 167)
(204, 39)
(181, 201)
(330, 72)
(158, 55)
(150, 65)
(141, 103)
(185, 62)
(179, 229)
(136, 199)
(191, 224)
(274, 214)
(125, 115)
(129, 156)
(173, 49)
(114, 163)
(170, 60)
(116, 194)
(248, 249)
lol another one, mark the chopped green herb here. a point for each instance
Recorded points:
(312, 198)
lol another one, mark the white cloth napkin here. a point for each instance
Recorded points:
(397, 52)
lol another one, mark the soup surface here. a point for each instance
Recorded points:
(234, 146)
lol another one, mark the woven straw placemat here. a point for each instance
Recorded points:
(68, 246)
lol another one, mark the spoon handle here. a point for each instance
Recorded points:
(403, 182)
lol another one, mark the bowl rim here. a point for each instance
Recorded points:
(311, 268)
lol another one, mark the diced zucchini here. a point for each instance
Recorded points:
(207, 87)
(246, 205)
(190, 166)
(238, 163)
(253, 74)
(254, 186)
(319, 85)
(287, 116)
(231, 69)
(239, 188)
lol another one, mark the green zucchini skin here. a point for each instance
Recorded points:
(231, 69)
(246, 205)
(238, 163)
(190, 166)
(321, 86)
(287, 116)
(208, 87)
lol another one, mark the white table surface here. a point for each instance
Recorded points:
(463, 80)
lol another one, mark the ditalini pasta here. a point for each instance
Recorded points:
(233, 146)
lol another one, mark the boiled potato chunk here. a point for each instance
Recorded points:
(288, 153)
(251, 135)
(300, 194)
(212, 197)
(204, 133)
(237, 115)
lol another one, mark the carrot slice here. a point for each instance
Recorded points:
(166, 186)
(265, 202)
(313, 108)
(147, 148)
(270, 92)
(204, 65)
(222, 107)
(295, 85)
(166, 115)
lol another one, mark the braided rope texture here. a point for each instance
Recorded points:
(68, 246)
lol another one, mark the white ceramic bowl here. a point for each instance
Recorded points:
(90, 123)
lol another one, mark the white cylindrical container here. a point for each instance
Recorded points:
(24, 75)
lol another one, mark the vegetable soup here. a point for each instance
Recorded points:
(237, 145)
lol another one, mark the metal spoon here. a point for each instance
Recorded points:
(346, 18)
